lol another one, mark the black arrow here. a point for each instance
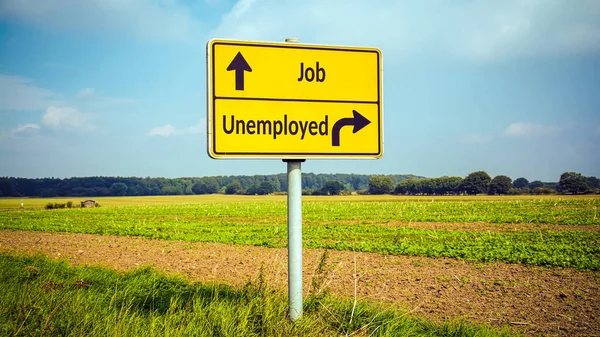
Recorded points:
(240, 65)
(359, 121)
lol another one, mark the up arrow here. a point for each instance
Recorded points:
(240, 65)
(359, 121)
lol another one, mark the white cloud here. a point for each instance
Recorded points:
(63, 118)
(67, 117)
(86, 93)
(26, 127)
(169, 130)
(479, 30)
(477, 138)
(165, 130)
(19, 93)
(529, 129)
(19, 129)
(198, 128)
(164, 20)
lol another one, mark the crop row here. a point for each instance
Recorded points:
(558, 212)
(264, 224)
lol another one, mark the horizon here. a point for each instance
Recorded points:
(119, 88)
(281, 173)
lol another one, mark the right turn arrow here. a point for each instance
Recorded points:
(358, 121)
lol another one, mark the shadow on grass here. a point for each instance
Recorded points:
(41, 296)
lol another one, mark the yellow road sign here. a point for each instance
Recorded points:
(292, 101)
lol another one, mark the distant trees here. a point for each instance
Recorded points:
(571, 182)
(409, 186)
(475, 183)
(543, 190)
(330, 188)
(500, 185)
(51, 193)
(262, 189)
(333, 187)
(101, 186)
(520, 183)
(266, 187)
(535, 184)
(198, 188)
(381, 185)
(432, 186)
(118, 189)
(252, 190)
(447, 185)
(170, 190)
(233, 187)
(593, 182)
(208, 185)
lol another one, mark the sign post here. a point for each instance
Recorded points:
(293, 102)
(294, 204)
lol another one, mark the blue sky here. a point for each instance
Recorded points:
(116, 87)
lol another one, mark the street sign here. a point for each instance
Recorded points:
(293, 101)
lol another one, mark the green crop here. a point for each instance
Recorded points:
(358, 226)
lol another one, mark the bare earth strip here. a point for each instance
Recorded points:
(471, 226)
(551, 301)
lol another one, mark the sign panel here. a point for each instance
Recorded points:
(293, 101)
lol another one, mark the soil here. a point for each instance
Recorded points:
(473, 226)
(533, 300)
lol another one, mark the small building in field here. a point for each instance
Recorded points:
(88, 203)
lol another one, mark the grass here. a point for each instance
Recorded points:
(343, 225)
(48, 298)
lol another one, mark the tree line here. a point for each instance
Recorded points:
(478, 182)
(135, 186)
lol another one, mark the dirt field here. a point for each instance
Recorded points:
(472, 226)
(551, 301)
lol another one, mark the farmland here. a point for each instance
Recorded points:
(57, 299)
(370, 226)
(505, 240)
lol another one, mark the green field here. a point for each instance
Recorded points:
(361, 223)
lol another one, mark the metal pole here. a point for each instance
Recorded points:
(294, 204)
